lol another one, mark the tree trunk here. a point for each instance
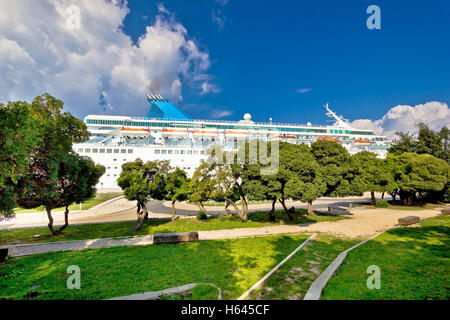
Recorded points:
(372, 198)
(50, 221)
(142, 213)
(382, 196)
(173, 211)
(66, 220)
(244, 206)
(394, 196)
(310, 209)
(227, 204)
(201, 207)
(272, 211)
(282, 201)
(235, 206)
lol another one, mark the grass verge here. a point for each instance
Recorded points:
(99, 198)
(414, 264)
(233, 265)
(122, 229)
(293, 279)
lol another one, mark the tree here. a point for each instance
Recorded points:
(176, 187)
(201, 186)
(373, 173)
(427, 141)
(306, 183)
(339, 175)
(77, 178)
(18, 138)
(57, 132)
(416, 174)
(141, 182)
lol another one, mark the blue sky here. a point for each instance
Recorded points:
(267, 50)
(218, 59)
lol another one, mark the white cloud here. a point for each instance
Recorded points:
(221, 113)
(208, 87)
(97, 67)
(217, 15)
(405, 118)
(303, 90)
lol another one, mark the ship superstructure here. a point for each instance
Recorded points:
(167, 133)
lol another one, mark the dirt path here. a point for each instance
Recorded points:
(363, 223)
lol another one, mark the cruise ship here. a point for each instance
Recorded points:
(167, 133)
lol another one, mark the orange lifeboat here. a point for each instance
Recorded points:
(329, 139)
(134, 131)
(361, 142)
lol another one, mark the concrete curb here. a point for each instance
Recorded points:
(261, 281)
(315, 290)
(20, 250)
(155, 295)
(105, 203)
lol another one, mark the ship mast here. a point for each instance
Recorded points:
(340, 121)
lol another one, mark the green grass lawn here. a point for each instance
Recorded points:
(99, 198)
(293, 279)
(233, 265)
(414, 264)
(122, 229)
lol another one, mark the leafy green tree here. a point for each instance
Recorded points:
(201, 186)
(373, 173)
(141, 182)
(77, 178)
(339, 175)
(18, 138)
(176, 187)
(306, 183)
(416, 174)
(57, 132)
(427, 141)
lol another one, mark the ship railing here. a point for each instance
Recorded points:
(229, 122)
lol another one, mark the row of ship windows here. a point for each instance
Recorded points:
(97, 150)
(157, 151)
(174, 125)
(129, 151)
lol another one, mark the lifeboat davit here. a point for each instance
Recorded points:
(169, 132)
(232, 133)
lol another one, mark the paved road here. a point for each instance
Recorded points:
(123, 210)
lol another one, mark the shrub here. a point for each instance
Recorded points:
(382, 203)
(201, 215)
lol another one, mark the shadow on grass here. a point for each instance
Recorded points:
(413, 262)
(233, 265)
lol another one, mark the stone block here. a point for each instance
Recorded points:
(446, 211)
(406, 221)
(175, 237)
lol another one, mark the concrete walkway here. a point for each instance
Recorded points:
(363, 223)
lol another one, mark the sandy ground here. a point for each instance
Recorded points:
(120, 209)
(363, 222)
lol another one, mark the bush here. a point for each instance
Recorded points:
(382, 203)
(201, 216)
